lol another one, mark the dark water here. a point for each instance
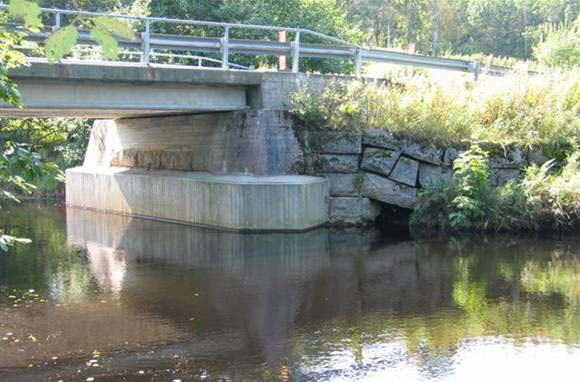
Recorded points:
(115, 299)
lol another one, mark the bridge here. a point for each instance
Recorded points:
(184, 133)
(107, 90)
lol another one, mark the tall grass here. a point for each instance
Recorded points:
(540, 110)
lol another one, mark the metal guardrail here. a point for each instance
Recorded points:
(147, 43)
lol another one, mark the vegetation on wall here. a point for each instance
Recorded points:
(545, 198)
(540, 113)
(534, 111)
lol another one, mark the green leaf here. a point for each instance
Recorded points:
(114, 26)
(107, 42)
(61, 43)
(28, 10)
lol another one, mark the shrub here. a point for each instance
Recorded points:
(561, 47)
(544, 199)
(471, 176)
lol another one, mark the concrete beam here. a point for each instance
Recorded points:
(234, 202)
(135, 73)
(81, 98)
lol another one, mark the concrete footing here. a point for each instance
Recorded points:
(234, 202)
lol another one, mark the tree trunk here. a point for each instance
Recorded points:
(436, 27)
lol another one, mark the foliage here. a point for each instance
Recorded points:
(61, 141)
(10, 58)
(28, 10)
(561, 47)
(555, 198)
(324, 16)
(506, 28)
(541, 111)
(471, 176)
(19, 168)
(62, 41)
(544, 199)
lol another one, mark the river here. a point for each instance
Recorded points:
(100, 297)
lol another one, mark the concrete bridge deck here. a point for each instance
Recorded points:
(98, 90)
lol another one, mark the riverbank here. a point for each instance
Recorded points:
(496, 156)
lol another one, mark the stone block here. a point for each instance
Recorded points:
(430, 174)
(537, 156)
(353, 211)
(451, 153)
(343, 184)
(431, 154)
(513, 157)
(380, 138)
(338, 163)
(406, 171)
(384, 139)
(380, 161)
(387, 191)
(329, 142)
(500, 176)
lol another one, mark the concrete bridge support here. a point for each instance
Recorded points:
(207, 147)
(234, 170)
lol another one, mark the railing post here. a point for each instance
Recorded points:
(146, 43)
(475, 68)
(57, 21)
(296, 53)
(226, 48)
(358, 63)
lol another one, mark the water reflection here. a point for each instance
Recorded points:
(174, 301)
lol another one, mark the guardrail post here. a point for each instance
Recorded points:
(226, 49)
(296, 53)
(475, 68)
(57, 21)
(146, 43)
(358, 63)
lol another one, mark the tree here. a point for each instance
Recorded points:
(325, 16)
(20, 166)
(561, 46)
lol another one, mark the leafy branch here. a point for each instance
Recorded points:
(103, 30)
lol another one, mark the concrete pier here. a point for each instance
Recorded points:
(234, 202)
(209, 148)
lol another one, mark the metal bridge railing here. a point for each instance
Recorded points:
(147, 44)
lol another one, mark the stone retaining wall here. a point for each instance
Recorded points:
(374, 169)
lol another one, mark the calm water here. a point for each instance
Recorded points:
(118, 299)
